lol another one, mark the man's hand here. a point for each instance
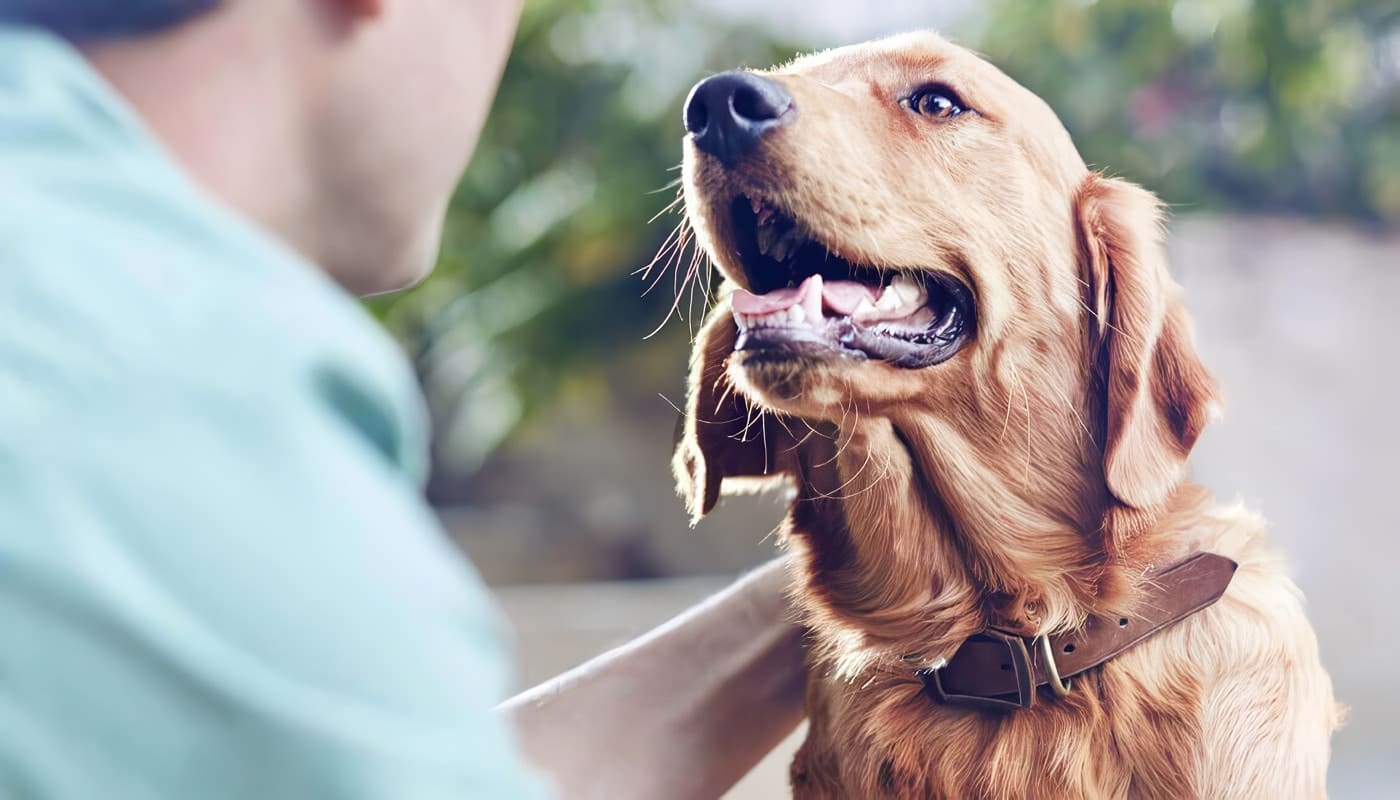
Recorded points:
(682, 712)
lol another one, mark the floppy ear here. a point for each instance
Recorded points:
(1158, 395)
(721, 435)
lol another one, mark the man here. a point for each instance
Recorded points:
(217, 577)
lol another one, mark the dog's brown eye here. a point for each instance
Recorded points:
(936, 103)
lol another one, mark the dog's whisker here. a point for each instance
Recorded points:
(671, 252)
(836, 494)
(673, 266)
(1072, 410)
(726, 389)
(850, 393)
(687, 280)
(772, 533)
(1006, 423)
(751, 415)
(1016, 374)
(673, 239)
(670, 402)
(1117, 331)
(696, 288)
(777, 417)
(886, 472)
(799, 442)
(763, 433)
(675, 183)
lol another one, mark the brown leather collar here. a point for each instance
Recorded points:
(1001, 669)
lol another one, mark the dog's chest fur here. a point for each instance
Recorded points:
(1201, 710)
(1113, 737)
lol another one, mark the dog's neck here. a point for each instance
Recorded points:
(898, 565)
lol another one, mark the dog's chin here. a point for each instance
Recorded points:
(800, 379)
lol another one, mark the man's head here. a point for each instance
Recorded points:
(341, 125)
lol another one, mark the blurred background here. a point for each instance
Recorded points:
(1272, 127)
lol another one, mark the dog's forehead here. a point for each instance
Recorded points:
(910, 59)
(905, 62)
(909, 55)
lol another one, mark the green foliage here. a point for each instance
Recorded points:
(1271, 105)
(535, 289)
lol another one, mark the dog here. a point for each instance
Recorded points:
(962, 350)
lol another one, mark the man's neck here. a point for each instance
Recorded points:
(227, 111)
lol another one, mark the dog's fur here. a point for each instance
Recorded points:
(1028, 482)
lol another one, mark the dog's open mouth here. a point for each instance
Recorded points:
(805, 299)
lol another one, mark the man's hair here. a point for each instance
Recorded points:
(98, 19)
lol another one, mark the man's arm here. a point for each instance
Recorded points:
(682, 712)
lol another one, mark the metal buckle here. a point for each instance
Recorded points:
(1052, 670)
(1020, 663)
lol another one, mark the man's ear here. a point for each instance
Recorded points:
(721, 435)
(1157, 394)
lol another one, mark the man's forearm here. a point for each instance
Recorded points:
(682, 712)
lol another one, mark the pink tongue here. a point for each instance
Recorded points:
(843, 297)
(746, 302)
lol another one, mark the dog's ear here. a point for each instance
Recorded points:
(721, 436)
(1157, 394)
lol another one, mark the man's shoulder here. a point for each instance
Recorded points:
(141, 260)
(112, 285)
(115, 268)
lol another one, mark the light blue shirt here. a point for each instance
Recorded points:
(217, 577)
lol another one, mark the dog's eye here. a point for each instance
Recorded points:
(935, 102)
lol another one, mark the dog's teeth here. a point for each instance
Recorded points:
(796, 315)
(863, 310)
(902, 293)
(910, 290)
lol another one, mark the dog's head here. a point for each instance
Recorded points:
(907, 234)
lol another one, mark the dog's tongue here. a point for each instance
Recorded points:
(746, 302)
(842, 297)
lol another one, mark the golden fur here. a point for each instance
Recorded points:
(1028, 482)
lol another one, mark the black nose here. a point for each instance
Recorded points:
(728, 113)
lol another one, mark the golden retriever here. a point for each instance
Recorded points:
(963, 349)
